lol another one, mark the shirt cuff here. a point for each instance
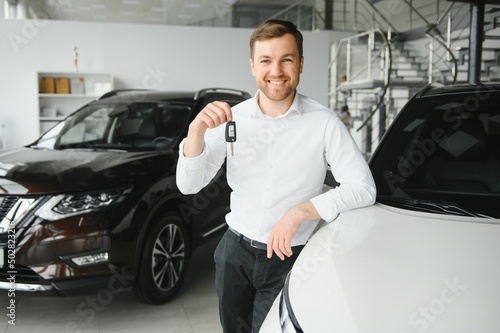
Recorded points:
(192, 163)
(325, 207)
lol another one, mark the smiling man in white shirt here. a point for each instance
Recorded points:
(285, 141)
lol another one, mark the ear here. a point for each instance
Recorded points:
(251, 67)
(301, 66)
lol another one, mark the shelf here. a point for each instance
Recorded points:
(55, 97)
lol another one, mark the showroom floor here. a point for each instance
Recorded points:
(194, 310)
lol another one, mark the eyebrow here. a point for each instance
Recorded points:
(283, 56)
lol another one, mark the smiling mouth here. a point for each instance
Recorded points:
(276, 82)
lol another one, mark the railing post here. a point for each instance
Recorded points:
(381, 119)
(348, 61)
(410, 23)
(387, 58)
(448, 36)
(313, 23)
(476, 41)
(431, 59)
(369, 55)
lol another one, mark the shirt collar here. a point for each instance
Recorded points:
(293, 112)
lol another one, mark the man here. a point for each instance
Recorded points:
(276, 170)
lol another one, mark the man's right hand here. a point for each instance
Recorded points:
(213, 115)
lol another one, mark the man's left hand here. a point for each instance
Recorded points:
(280, 239)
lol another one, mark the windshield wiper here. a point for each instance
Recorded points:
(451, 208)
(87, 149)
(38, 147)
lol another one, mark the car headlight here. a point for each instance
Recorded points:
(66, 205)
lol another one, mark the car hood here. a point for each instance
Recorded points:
(384, 269)
(33, 171)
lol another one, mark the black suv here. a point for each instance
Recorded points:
(93, 203)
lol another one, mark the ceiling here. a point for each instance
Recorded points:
(170, 12)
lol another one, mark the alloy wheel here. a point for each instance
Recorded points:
(168, 257)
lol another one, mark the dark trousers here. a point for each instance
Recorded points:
(247, 282)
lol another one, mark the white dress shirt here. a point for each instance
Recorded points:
(281, 162)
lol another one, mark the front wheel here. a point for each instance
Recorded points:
(163, 261)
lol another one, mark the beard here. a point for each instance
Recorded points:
(277, 93)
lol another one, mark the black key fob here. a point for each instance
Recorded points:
(230, 131)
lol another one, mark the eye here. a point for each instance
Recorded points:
(264, 61)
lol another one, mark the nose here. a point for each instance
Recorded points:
(276, 68)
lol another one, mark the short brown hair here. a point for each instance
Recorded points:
(276, 28)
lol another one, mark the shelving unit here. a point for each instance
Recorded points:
(57, 99)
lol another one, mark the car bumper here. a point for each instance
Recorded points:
(71, 287)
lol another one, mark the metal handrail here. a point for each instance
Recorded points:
(434, 33)
(445, 13)
(413, 9)
(297, 4)
(375, 9)
(371, 42)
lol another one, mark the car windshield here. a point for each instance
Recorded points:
(129, 127)
(443, 153)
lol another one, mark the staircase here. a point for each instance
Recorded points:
(390, 59)
(458, 43)
(378, 87)
(379, 82)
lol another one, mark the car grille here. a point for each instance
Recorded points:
(6, 204)
(23, 275)
(18, 209)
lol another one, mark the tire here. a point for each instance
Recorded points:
(163, 261)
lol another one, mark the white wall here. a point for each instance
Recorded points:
(139, 56)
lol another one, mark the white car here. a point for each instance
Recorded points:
(426, 256)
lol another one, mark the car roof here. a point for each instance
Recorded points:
(138, 95)
(434, 89)
(143, 95)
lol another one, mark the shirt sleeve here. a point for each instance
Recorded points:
(350, 169)
(194, 173)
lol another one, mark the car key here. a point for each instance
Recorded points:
(231, 134)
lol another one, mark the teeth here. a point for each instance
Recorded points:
(276, 82)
